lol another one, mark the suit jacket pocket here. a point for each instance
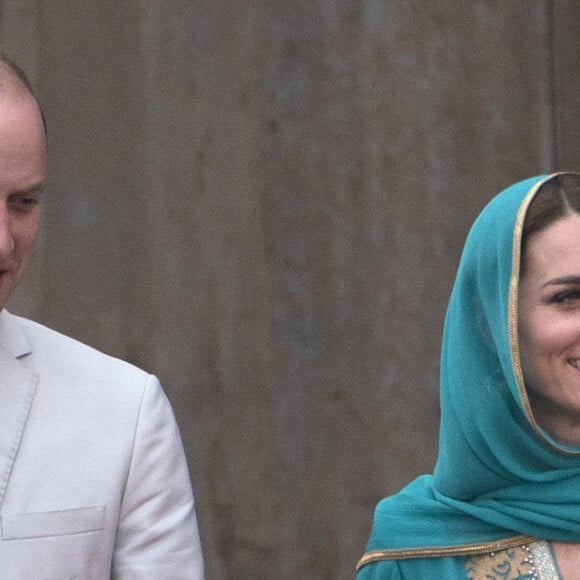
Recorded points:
(54, 523)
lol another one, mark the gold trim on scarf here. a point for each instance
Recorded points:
(444, 551)
(513, 309)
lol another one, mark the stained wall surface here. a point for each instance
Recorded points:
(264, 204)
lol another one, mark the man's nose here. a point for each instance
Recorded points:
(6, 238)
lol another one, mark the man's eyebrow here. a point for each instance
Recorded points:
(572, 279)
(33, 188)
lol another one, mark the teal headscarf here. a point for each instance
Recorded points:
(500, 480)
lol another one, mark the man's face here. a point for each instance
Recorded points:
(22, 175)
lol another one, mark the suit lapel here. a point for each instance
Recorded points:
(17, 388)
(12, 337)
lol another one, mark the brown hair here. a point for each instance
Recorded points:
(557, 198)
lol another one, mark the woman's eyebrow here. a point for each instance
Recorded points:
(572, 279)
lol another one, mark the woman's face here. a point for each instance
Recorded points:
(549, 328)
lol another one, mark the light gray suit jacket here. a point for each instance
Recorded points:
(93, 478)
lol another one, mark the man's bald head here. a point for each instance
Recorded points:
(13, 79)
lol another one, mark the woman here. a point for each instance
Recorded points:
(504, 499)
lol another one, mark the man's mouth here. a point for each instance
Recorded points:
(575, 362)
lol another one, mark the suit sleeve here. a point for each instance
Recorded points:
(157, 536)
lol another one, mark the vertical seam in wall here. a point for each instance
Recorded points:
(552, 96)
(3, 44)
(39, 49)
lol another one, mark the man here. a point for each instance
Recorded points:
(93, 478)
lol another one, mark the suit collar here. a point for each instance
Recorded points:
(12, 337)
(18, 385)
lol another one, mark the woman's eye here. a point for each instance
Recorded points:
(566, 296)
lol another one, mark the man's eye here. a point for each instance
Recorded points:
(23, 204)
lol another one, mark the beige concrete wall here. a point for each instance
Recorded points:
(264, 203)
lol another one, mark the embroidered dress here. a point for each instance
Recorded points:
(500, 482)
(534, 561)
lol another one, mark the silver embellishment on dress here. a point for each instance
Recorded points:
(533, 561)
(544, 565)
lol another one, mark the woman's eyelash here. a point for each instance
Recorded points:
(565, 296)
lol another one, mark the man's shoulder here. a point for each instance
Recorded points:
(50, 348)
